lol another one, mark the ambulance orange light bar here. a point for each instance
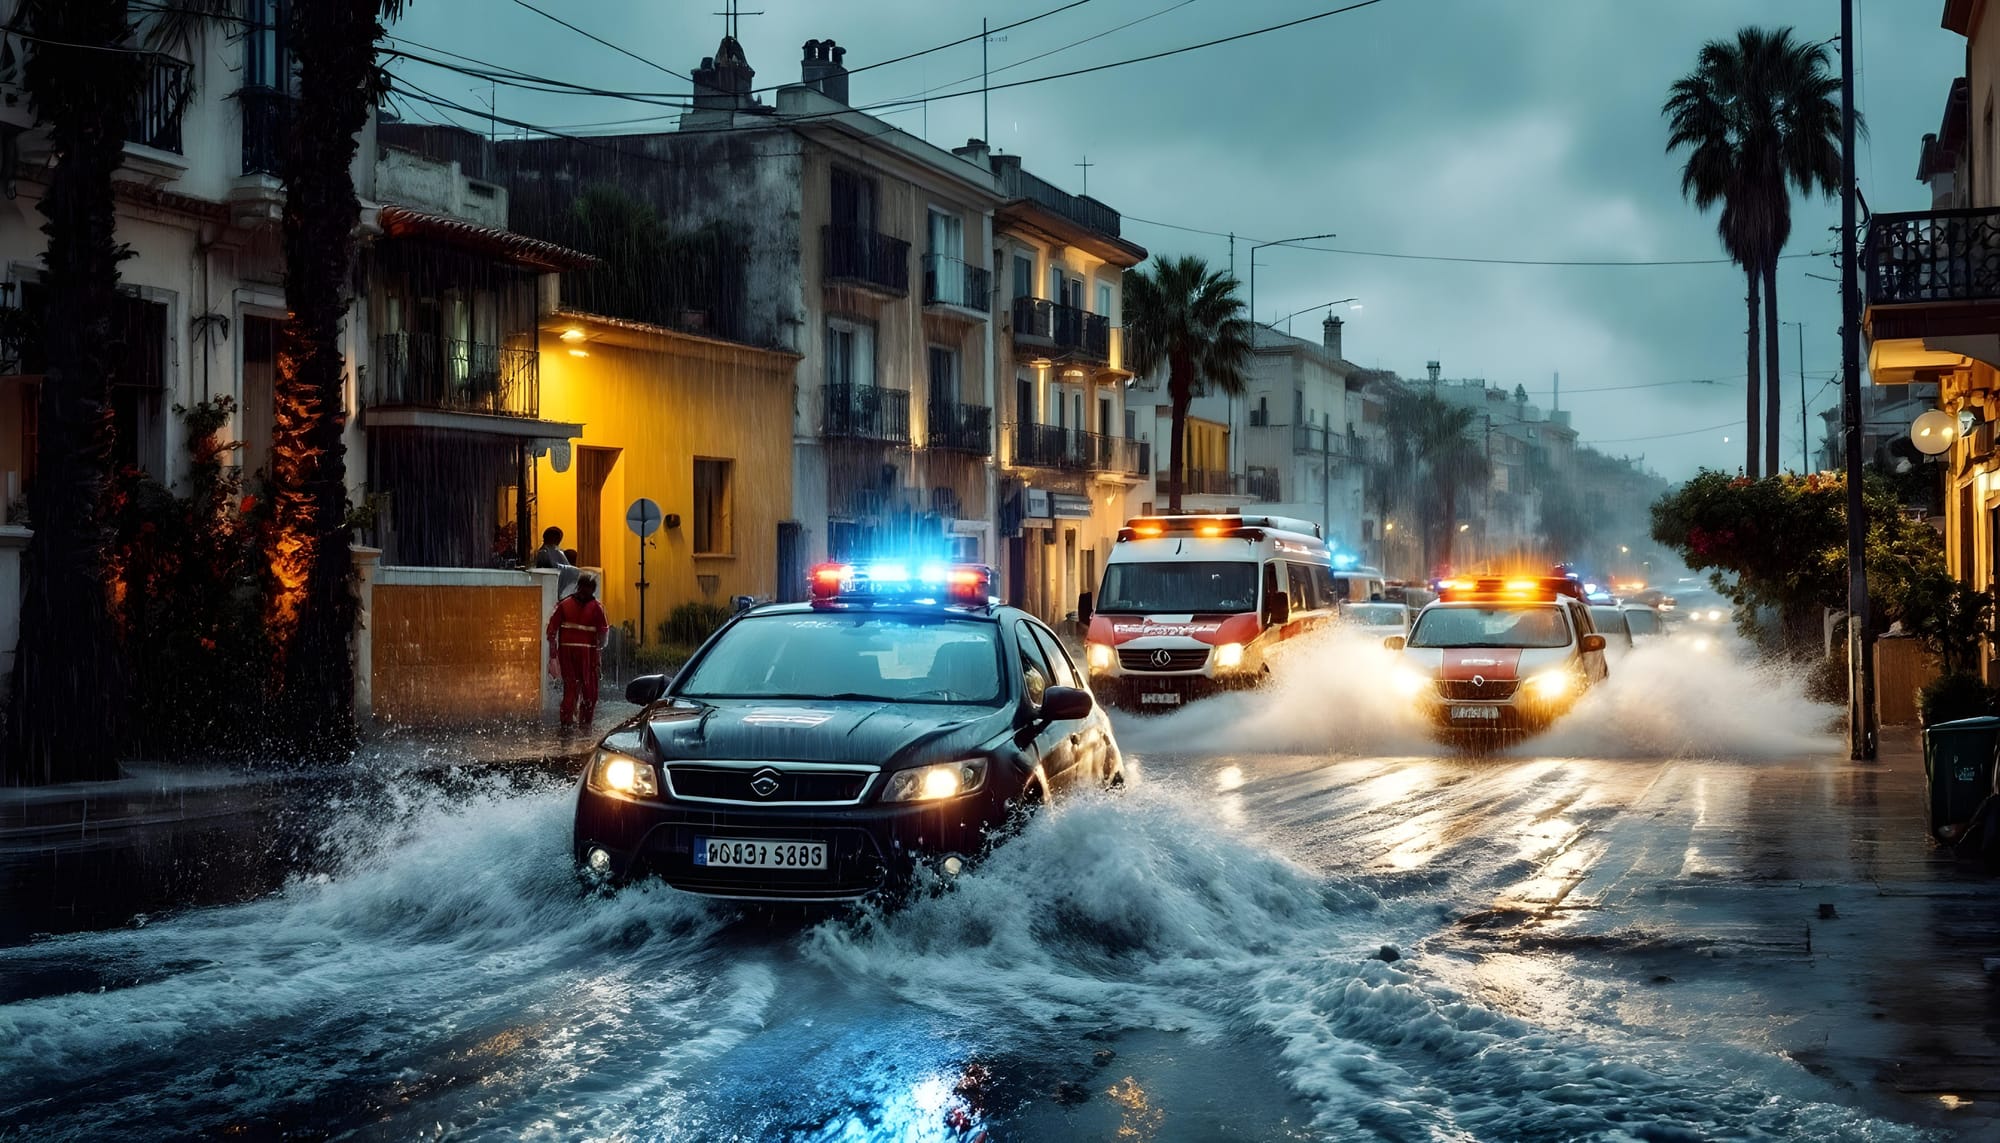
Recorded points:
(1209, 530)
(1148, 531)
(1543, 589)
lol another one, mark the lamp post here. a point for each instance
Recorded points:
(1231, 459)
(1860, 652)
(1321, 306)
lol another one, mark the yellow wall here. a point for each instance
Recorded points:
(1207, 446)
(663, 400)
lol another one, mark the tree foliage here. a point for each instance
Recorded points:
(1434, 464)
(1188, 318)
(1781, 542)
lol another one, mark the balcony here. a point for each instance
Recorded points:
(865, 412)
(155, 118)
(951, 282)
(958, 427)
(266, 111)
(1322, 440)
(1073, 450)
(1206, 482)
(430, 372)
(1930, 275)
(1061, 333)
(855, 256)
(1262, 484)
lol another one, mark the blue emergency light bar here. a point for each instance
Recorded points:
(889, 579)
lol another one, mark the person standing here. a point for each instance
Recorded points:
(577, 630)
(550, 554)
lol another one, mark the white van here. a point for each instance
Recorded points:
(1193, 604)
(1360, 585)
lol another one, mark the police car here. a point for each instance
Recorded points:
(822, 751)
(1500, 656)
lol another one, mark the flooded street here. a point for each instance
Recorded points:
(1256, 944)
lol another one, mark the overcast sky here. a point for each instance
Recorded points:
(1510, 129)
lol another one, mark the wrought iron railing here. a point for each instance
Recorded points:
(155, 118)
(957, 427)
(1262, 483)
(952, 282)
(1933, 256)
(865, 412)
(856, 254)
(1326, 440)
(1071, 331)
(431, 372)
(1211, 483)
(266, 113)
(1052, 446)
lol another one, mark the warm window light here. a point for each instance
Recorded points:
(579, 353)
(572, 334)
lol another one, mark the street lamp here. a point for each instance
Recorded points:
(1253, 273)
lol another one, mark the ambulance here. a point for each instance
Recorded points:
(1194, 604)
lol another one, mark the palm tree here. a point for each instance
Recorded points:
(1759, 117)
(81, 81)
(1431, 443)
(1187, 317)
(312, 606)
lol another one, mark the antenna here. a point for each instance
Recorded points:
(1086, 165)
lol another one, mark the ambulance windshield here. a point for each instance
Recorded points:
(1175, 587)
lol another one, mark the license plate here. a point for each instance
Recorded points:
(1168, 699)
(1475, 713)
(734, 853)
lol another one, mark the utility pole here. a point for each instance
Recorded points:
(985, 116)
(1860, 650)
(1805, 431)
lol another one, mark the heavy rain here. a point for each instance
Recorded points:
(585, 572)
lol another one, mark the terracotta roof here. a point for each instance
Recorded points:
(533, 253)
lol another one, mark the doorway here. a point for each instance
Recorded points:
(593, 470)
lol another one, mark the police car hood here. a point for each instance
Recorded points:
(812, 730)
(1495, 663)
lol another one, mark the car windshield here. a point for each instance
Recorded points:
(1175, 587)
(1497, 626)
(1642, 622)
(860, 655)
(1375, 614)
(1609, 620)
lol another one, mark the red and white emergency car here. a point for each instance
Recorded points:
(1500, 655)
(1193, 604)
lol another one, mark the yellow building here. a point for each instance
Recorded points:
(696, 424)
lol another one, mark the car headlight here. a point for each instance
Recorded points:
(623, 774)
(1715, 617)
(1229, 655)
(1410, 683)
(936, 782)
(1100, 656)
(1553, 684)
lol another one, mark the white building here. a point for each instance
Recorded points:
(1302, 449)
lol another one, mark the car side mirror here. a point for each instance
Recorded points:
(1277, 610)
(1083, 608)
(1593, 643)
(1065, 704)
(646, 689)
(1395, 642)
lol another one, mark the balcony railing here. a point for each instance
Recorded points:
(431, 372)
(866, 412)
(155, 119)
(266, 112)
(951, 282)
(1052, 446)
(1205, 482)
(1324, 440)
(854, 254)
(1933, 256)
(958, 427)
(1071, 332)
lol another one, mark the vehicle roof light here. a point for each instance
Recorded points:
(838, 581)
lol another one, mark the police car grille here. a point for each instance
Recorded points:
(733, 784)
(1177, 660)
(1466, 689)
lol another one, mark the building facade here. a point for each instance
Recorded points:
(1302, 447)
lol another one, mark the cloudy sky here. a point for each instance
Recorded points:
(1495, 129)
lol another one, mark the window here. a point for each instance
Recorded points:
(1035, 669)
(1177, 586)
(1104, 415)
(138, 385)
(947, 235)
(1055, 282)
(1322, 578)
(266, 57)
(1024, 276)
(944, 375)
(1104, 299)
(850, 352)
(1300, 587)
(853, 200)
(1052, 649)
(711, 507)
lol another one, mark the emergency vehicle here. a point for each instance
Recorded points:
(1500, 656)
(1193, 604)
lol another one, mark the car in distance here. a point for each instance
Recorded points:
(824, 751)
(1498, 658)
(1377, 618)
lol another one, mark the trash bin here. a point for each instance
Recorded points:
(1958, 768)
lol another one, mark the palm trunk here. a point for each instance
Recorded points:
(313, 607)
(1773, 392)
(68, 720)
(1752, 435)
(1180, 394)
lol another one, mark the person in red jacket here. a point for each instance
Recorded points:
(577, 630)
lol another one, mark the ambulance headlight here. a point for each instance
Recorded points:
(1100, 656)
(1229, 655)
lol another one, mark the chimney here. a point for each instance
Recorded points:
(723, 80)
(822, 70)
(1329, 335)
(975, 152)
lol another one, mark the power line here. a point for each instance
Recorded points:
(953, 43)
(1058, 50)
(1665, 436)
(600, 39)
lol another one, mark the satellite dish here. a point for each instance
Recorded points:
(1933, 432)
